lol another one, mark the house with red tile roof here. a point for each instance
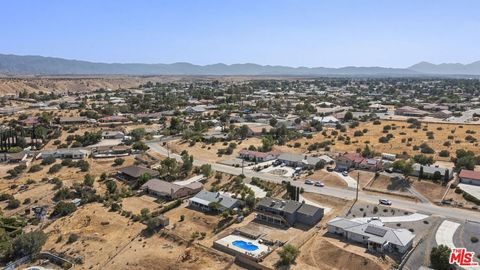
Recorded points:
(469, 177)
(348, 160)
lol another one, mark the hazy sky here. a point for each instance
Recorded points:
(276, 32)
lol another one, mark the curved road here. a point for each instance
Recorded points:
(347, 194)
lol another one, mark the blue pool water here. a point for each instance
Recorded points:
(245, 245)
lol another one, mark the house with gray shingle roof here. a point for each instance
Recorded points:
(377, 238)
(287, 212)
(204, 199)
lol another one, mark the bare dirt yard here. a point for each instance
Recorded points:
(136, 204)
(391, 184)
(363, 177)
(194, 221)
(434, 192)
(101, 235)
(322, 253)
(208, 152)
(329, 179)
(157, 252)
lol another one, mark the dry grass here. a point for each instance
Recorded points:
(395, 145)
(320, 253)
(102, 234)
(208, 152)
(329, 179)
(434, 192)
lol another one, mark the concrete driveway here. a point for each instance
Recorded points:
(351, 183)
(409, 218)
(445, 232)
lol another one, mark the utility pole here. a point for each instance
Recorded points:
(358, 183)
(242, 166)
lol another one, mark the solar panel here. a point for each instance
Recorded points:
(376, 231)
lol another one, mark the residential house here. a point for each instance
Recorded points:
(112, 135)
(296, 160)
(327, 120)
(258, 156)
(113, 119)
(133, 173)
(429, 171)
(170, 190)
(442, 114)
(469, 177)
(14, 157)
(204, 200)
(287, 212)
(410, 111)
(377, 238)
(65, 153)
(348, 160)
(75, 120)
(257, 129)
(111, 151)
(199, 109)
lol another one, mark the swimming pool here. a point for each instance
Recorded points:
(245, 245)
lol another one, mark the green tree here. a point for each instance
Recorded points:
(28, 244)
(88, 180)
(206, 170)
(348, 116)
(63, 208)
(439, 258)
(288, 254)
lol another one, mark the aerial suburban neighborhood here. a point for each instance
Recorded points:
(255, 175)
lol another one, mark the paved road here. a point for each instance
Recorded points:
(348, 194)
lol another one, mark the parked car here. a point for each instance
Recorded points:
(329, 169)
(345, 173)
(385, 202)
(389, 170)
(308, 182)
(319, 184)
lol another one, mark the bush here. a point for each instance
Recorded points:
(444, 153)
(72, 238)
(55, 168)
(439, 258)
(118, 161)
(13, 203)
(35, 168)
(63, 208)
(288, 254)
(28, 244)
(48, 160)
(474, 239)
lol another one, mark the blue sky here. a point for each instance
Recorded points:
(276, 32)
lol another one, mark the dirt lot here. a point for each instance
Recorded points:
(387, 183)
(329, 179)
(433, 192)
(102, 234)
(136, 204)
(441, 131)
(364, 176)
(193, 221)
(208, 152)
(159, 253)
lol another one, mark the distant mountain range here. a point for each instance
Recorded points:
(39, 65)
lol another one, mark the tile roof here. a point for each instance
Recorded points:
(469, 174)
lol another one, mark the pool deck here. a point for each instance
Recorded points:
(226, 244)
